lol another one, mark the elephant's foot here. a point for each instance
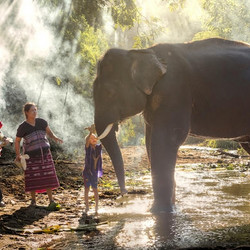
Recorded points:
(163, 208)
(124, 191)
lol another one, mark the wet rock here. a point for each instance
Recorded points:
(12, 202)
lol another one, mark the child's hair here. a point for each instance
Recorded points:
(27, 106)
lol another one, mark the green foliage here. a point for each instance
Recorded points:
(127, 133)
(132, 132)
(58, 81)
(230, 167)
(146, 36)
(93, 43)
(227, 19)
(143, 141)
(142, 41)
(108, 184)
(80, 25)
(175, 5)
(206, 34)
(224, 144)
(72, 12)
(92, 10)
(124, 13)
(193, 140)
(241, 151)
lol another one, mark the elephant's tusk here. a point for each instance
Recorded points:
(106, 131)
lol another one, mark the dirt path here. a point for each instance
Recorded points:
(24, 227)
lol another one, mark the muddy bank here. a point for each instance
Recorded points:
(22, 226)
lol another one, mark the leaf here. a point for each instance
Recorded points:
(58, 81)
(51, 229)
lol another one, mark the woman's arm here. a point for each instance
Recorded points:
(52, 135)
(17, 148)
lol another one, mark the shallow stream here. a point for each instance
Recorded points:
(212, 211)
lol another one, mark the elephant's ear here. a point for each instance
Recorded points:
(146, 69)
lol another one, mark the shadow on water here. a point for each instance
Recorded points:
(212, 213)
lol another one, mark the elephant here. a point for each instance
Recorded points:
(198, 88)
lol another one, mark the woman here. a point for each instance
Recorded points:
(40, 174)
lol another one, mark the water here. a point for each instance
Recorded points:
(212, 211)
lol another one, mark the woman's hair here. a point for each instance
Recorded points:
(27, 106)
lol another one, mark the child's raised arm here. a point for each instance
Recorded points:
(87, 140)
(91, 131)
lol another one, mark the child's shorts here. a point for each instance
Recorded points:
(90, 181)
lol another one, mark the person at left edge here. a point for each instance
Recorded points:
(3, 142)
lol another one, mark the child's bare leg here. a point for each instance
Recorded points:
(33, 197)
(86, 197)
(95, 190)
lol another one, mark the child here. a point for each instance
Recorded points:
(92, 169)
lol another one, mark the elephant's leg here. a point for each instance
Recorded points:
(165, 144)
(162, 170)
(246, 147)
(148, 147)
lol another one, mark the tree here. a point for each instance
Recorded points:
(80, 25)
(227, 19)
(93, 43)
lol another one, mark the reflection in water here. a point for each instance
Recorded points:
(208, 208)
(214, 206)
(164, 229)
(212, 210)
(135, 232)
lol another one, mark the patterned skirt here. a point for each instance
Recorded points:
(40, 173)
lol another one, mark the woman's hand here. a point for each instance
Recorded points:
(18, 158)
(58, 140)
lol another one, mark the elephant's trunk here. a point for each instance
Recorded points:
(111, 145)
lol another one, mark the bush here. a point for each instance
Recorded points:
(193, 140)
(131, 132)
(224, 144)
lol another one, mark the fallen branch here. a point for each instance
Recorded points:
(52, 229)
(65, 162)
(7, 163)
